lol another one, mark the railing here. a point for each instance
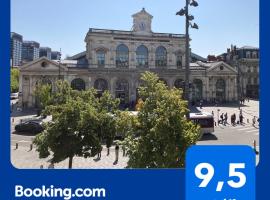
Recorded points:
(107, 31)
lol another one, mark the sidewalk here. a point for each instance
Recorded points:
(22, 158)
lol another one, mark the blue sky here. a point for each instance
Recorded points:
(64, 23)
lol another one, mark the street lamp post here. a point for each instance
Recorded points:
(185, 12)
(59, 65)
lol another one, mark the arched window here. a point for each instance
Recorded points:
(254, 54)
(221, 90)
(179, 83)
(78, 84)
(247, 54)
(122, 56)
(197, 89)
(161, 57)
(101, 85)
(122, 91)
(100, 57)
(179, 60)
(142, 56)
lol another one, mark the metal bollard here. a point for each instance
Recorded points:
(215, 123)
(12, 119)
(16, 146)
(31, 147)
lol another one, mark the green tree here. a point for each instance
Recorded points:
(43, 94)
(72, 133)
(14, 80)
(161, 133)
(81, 121)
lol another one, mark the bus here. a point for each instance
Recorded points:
(205, 120)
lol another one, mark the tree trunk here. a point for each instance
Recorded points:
(70, 162)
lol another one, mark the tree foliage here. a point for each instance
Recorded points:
(160, 134)
(81, 122)
(14, 80)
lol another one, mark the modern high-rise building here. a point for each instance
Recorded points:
(30, 51)
(16, 49)
(55, 55)
(45, 52)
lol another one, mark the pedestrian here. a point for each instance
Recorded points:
(41, 167)
(99, 153)
(225, 118)
(222, 118)
(254, 121)
(212, 112)
(232, 120)
(241, 117)
(116, 153)
(124, 150)
(201, 102)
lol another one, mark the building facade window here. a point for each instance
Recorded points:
(254, 54)
(122, 56)
(247, 54)
(161, 57)
(179, 59)
(100, 58)
(78, 84)
(142, 56)
(255, 81)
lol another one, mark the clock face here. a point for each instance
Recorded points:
(142, 26)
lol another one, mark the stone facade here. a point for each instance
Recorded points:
(246, 61)
(114, 61)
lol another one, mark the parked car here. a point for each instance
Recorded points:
(33, 127)
(14, 95)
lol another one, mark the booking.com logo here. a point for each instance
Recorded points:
(65, 193)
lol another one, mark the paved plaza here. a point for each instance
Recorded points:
(227, 134)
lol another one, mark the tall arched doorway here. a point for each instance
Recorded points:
(78, 84)
(122, 91)
(100, 85)
(197, 89)
(221, 90)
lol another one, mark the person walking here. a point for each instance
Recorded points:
(225, 118)
(116, 153)
(253, 121)
(241, 117)
(222, 118)
(99, 153)
(124, 150)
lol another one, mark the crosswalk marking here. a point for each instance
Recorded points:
(243, 129)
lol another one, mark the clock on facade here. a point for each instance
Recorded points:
(142, 26)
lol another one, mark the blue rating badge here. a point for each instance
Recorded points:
(220, 173)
